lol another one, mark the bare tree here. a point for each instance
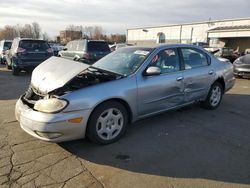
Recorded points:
(72, 27)
(36, 30)
(117, 38)
(88, 31)
(98, 33)
(45, 36)
(26, 31)
(8, 33)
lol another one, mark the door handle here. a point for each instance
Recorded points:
(179, 78)
(211, 72)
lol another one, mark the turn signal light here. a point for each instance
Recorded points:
(76, 120)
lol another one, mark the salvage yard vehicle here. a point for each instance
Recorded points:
(4, 46)
(26, 54)
(87, 51)
(118, 45)
(242, 66)
(56, 47)
(224, 52)
(69, 100)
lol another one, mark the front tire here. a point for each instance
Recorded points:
(214, 97)
(107, 123)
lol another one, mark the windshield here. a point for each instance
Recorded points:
(124, 61)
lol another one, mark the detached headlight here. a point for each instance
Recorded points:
(50, 105)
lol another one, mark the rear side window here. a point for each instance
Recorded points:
(74, 45)
(194, 58)
(7, 45)
(69, 46)
(81, 46)
(34, 45)
(98, 46)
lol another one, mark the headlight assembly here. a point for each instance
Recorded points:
(238, 61)
(52, 105)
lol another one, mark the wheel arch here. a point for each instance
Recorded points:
(221, 81)
(119, 100)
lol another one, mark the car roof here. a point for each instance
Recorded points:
(88, 40)
(32, 39)
(162, 46)
(6, 40)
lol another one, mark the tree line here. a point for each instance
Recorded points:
(34, 31)
(97, 33)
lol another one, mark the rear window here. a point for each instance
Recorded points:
(94, 46)
(7, 45)
(34, 45)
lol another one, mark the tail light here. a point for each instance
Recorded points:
(50, 50)
(87, 55)
(20, 50)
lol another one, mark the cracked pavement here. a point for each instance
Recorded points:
(191, 147)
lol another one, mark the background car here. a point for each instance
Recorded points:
(26, 54)
(224, 52)
(56, 48)
(4, 46)
(87, 51)
(119, 45)
(242, 66)
(69, 100)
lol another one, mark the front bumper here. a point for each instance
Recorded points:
(34, 122)
(241, 71)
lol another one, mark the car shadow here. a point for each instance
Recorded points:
(186, 143)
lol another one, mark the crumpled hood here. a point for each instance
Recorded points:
(54, 73)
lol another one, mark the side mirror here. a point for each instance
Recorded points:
(65, 49)
(152, 71)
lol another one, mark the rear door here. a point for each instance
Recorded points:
(198, 73)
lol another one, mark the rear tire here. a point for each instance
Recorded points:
(15, 71)
(107, 123)
(7, 66)
(214, 97)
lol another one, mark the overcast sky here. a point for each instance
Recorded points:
(115, 16)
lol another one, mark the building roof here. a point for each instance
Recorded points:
(192, 23)
(231, 28)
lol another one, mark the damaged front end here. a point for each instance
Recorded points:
(89, 77)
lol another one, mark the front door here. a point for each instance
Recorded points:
(164, 91)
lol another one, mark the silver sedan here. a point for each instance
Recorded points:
(69, 100)
(242, 66)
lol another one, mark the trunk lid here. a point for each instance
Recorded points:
(54, 73)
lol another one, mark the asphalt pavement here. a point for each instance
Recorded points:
(190, 147)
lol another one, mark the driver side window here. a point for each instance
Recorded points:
(167, 60)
